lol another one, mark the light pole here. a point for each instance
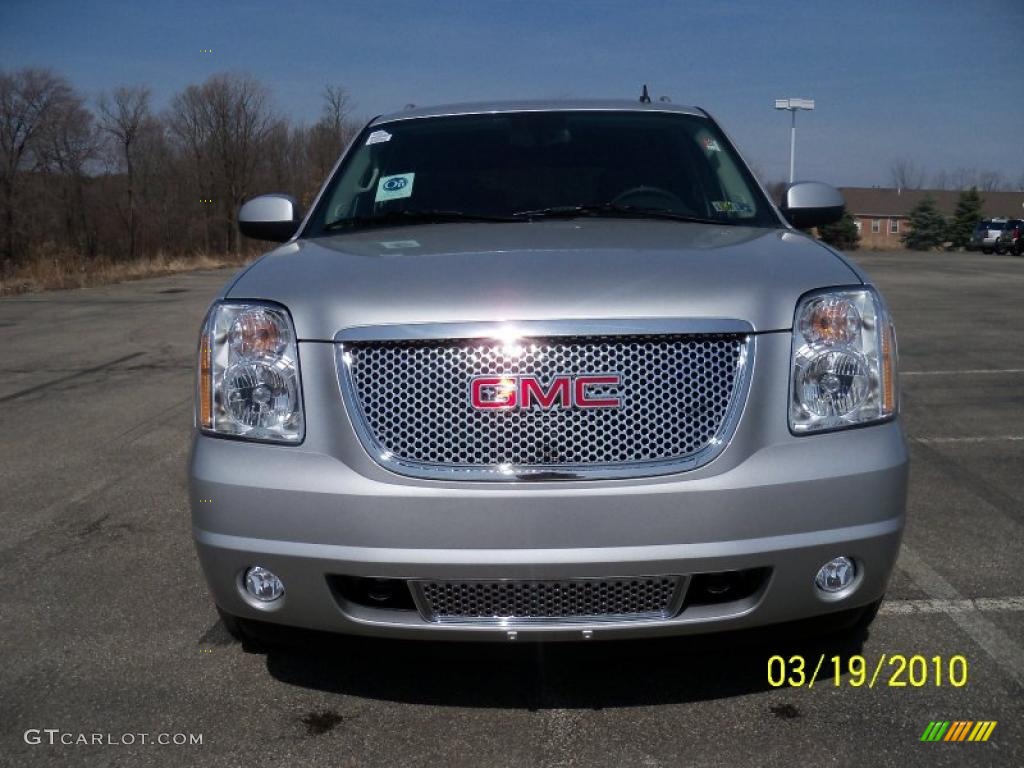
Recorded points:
(792, 105)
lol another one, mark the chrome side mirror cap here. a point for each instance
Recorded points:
(811, 204)
(270, 217)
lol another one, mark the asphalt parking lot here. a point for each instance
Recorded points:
(107, 627)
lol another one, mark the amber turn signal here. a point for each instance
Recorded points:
(205, 384)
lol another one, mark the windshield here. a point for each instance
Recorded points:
(523, 166)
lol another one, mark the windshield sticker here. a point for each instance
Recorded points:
(393, 244)
(728, 206)
(394, 187)
(711, 145)
(378, 137)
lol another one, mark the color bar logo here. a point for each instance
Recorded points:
(958, 730)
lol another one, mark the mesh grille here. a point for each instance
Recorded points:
(414, 398)
(640, 597)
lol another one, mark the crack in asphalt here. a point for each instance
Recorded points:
(69, 377)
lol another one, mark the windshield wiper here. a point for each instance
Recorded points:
(614, 209)
(412, 217)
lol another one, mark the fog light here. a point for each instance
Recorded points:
(836, 575)
(262, 584)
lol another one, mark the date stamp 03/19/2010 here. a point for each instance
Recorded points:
(889, 670)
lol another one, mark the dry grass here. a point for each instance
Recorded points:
(61, 270)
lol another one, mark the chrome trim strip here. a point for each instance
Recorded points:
(672, 610)
(512, 329)
(566, 472)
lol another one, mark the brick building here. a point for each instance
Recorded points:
(882, 214)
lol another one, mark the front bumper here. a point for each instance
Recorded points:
(789, 506)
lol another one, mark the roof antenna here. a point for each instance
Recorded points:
(645, 98)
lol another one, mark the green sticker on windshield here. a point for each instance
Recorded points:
(728, 206)
(394, 187)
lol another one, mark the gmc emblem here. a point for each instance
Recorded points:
(522, 392)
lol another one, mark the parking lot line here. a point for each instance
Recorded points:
(965, 372)
(1002, 648)
(976, 439)
(899, 607)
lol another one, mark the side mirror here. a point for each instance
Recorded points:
(270, 217)
(810, 204)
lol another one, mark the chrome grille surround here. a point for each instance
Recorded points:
(510, 601)
(684, 384)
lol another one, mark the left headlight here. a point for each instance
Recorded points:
(844, 361)
(249, 373)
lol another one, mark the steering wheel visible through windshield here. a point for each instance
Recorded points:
(522, 166)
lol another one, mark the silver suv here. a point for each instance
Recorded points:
(546, 371)
(986, 235)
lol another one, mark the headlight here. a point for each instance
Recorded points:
(249, 373)
(844, 361)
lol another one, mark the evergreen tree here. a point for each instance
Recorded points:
(842, 234)
(927, 226)
(968, 213)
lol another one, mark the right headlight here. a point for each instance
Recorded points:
(249, 373)
(844, 361)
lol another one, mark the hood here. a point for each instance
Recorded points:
(544, 270)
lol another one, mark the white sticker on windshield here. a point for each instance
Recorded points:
(378, 137)
(711, 145)
(394, 187)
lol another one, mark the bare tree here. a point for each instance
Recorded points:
(28, 98)
(332, 131)
(110, 179)
(69, 142)
(963, 178)
(337, 108)
(161, 194)
(287, 163)
(241, 121)
(224, 125)
(190, 123)
(906, 174)
(122, 115)
(991, 181)
(940, 180)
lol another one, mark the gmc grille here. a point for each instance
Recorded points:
(410, 403)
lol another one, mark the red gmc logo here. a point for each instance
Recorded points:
(523, 392)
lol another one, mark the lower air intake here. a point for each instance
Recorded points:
(642, 597)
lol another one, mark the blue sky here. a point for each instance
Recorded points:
(937, 81)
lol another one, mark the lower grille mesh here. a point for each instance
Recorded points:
(636, 597)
